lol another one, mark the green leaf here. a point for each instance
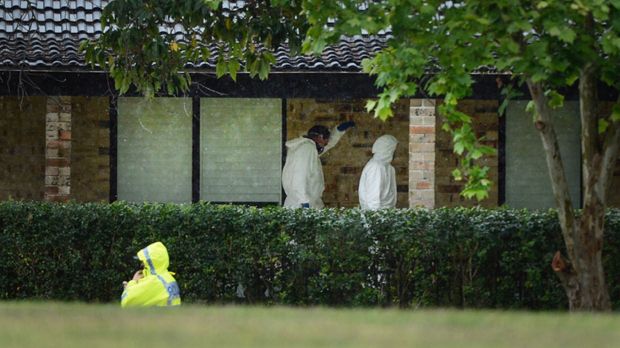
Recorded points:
(487, 150)
(428, 9)
(213, 4)
(563, 33)
(530, 107)
(571, 79)
(370, 105)
(456, 173)
(510, 45)
(205, 53)
(615, 113)
(459, 148)
(475, 154)
(314, 45)
(481, 194)
(233, 68)
(568, 35)
(502, 108)
(383, 109)
(556, 100)
(221, 68)
(263, 70)
(602, 125)
(519, 25)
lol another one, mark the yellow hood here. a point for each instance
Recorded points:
(155, 258)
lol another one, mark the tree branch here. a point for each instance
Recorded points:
(588, 107)
(557, 175)
(591, 167)
(611, 152)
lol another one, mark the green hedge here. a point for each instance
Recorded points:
(469, 258)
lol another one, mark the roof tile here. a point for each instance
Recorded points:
(47, 34)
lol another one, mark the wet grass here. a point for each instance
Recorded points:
(45, 324)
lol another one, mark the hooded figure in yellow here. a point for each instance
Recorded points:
(156, 286)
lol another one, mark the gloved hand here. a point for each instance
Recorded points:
(345, 125)
(305, 205)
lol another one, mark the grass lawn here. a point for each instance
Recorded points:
(45, 324)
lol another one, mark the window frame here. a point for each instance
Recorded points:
(502, 169)
(195, 156)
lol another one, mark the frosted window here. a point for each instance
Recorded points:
(154, 150)
(240, 150)
(527, 177)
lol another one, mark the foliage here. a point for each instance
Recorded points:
(546, 42)
(469, 258)
(437, 47)
(147, 42)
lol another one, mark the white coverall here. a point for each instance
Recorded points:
(377, 188)
(302, 176)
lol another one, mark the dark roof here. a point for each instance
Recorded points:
(46, 34)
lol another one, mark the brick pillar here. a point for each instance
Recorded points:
(58, 149)
(422, 126)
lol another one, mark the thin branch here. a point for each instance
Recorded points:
(204, 89)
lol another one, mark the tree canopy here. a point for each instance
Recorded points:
(545, 44)
(150, 44)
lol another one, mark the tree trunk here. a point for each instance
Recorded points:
(584, 280)
(588, 263)
(582, 275)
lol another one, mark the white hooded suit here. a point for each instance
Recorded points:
(302, 176)
(377, 189)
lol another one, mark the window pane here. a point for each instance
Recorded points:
(154, 150)
(527, 177)
(22, 148)
(240, 149)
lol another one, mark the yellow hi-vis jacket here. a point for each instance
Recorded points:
(158, 287)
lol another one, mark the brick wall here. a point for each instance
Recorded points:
(342, 165)
(485, 122)
(90, 142)
(22, 148)
(58, 149)
(422, 144)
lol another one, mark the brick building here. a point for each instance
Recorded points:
(66, 135)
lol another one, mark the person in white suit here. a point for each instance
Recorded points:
(377, 189)
(302, 176)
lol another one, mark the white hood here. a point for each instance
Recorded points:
(383, 148)
(295, 143)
